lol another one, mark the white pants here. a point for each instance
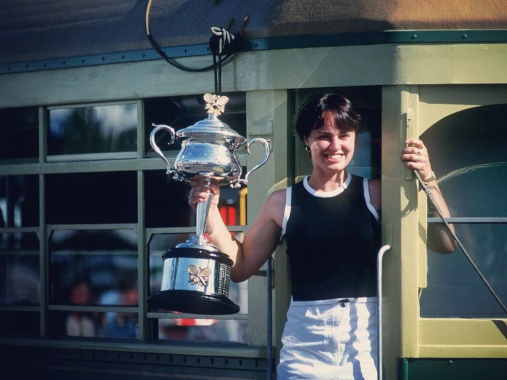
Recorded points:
(330, 339)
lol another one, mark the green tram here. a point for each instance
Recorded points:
(86, 209)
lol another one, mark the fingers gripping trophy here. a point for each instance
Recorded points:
(196, 274)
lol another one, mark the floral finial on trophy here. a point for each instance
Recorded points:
(215, 104)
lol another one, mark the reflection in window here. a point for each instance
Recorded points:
(470, 159)
(93, 129)
(19, 133)
(203, 329)
(19, 270)
(19, 201)
(94, 267)
(95, 324)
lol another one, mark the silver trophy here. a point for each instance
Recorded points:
(196, 274)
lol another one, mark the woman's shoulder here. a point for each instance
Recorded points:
(374, 188)
(374, 183)
(277, 198)
(274, 206)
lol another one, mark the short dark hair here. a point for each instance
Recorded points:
(310, 114)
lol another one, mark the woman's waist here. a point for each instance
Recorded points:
(333, 301)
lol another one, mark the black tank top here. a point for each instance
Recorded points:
(332, 242)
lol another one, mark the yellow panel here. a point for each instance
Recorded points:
(364, 65)
(437, 102)
(463, 338)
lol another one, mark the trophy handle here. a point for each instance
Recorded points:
(155, 147)
(264, 142)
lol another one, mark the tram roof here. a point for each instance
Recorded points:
(33, 30)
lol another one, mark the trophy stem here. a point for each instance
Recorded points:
(201, 218)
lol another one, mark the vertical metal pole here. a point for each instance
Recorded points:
(381, 252)
(269, 338)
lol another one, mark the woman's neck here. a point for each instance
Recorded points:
(327, 181)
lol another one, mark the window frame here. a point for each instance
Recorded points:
(138, 162)
(454, 337)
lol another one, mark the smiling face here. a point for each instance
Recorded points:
(331, 148)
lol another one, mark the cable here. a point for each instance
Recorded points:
(465, 252)
(226, 46)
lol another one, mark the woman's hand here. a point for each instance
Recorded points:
(201, 188)
(415, 156)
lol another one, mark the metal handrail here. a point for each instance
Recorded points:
(380, 256)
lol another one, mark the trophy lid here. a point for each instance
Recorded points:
(212, 126)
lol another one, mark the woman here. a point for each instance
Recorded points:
(331, 225)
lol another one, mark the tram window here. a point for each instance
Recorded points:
(470, 159)
(19, 133)
(19, 201)
(105, 259)
(92, 129)
(88, 198)
(20, 286)
(166, 201)
(19, 269)
(233, 330)
(90, 268)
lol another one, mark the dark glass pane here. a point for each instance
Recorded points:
(166, 201)
(454, 287)
(91, 198)
(18, 324)
(469, 156)
(183, 111)
(19, 269)
(463, 147)
(19, 201)
(94, 129)
(93, 267)
(476, 191)
(19, 133)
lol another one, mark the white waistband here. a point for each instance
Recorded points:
(335, 300)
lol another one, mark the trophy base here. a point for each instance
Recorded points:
(195, 280)
(192, 302)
